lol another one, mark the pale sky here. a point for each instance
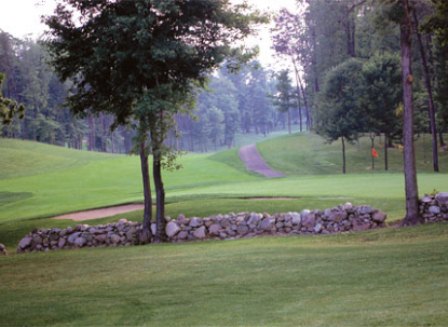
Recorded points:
(21, 18)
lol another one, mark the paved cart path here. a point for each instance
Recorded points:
(255, 162)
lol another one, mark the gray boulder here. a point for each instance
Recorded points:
(25, 242)
(296, 219)
(195, 222)
(172, 229)
(379, 217)
(200, 232)
(3, 249)
(435, 210)
(442, 198)
(214, 229)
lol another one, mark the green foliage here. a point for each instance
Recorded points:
(8, 107)
(382, 94)
(339, 111)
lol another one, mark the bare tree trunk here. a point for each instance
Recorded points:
(157, 137)
(410, 173)
(386, 152)
(298, 95)
(160, 199)
(431, 107)
(92, 137)
(372, 146)
(145, 236)
(289, 121)
(344, 170)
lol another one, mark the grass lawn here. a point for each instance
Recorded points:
(63, 180)
(388, 277)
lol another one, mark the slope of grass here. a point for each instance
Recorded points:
(309, 154)
(394, 277)
(207, 185)
(26, 158)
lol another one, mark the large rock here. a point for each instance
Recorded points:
(365, 210)
(115, 239)
(308, 220)
(254, 219)
(195, 222)
(442, 198)
(3, 249)
(172, 228)
(379, 217)
(214, 229)
(80, 241)
(296, 219)
(266, 224)
(72, 238)
(360, 225)
(435, 210)
(25, 242)
(200, 232)
(337, 215)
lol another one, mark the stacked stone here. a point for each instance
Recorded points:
(122, 233)
(230, 226)
(237, 225)
(3, 249)
(434, 208)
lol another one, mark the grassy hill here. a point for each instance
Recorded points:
(387, 277)
(40, 181)
(309, 154)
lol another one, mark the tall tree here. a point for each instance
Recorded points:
(136, 59)
(284, 99)
(410, 172)
(381, 96)
(340, 114)
(428, 85)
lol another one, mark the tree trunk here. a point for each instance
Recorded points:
(410, 173)
(158, 134)
(298, 95)
(160, 197)
(442, 141)
(145, 236)
(386, 152)
(289, 121)
(92, 137)
(431, 107)
(372, 146)
(343, 156)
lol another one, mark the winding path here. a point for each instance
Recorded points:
(250, 156)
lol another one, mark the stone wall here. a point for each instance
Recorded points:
(434, 208)
(342, 218)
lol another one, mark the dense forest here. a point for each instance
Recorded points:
(239, 102)
(325, 41)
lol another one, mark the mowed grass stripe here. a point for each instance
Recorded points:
(367, 279)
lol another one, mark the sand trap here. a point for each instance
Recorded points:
(101, 213)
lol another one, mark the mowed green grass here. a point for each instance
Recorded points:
(388, 277)
(310, 154)
(63, 180)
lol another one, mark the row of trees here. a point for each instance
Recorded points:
(354, 60)
(234, 102)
